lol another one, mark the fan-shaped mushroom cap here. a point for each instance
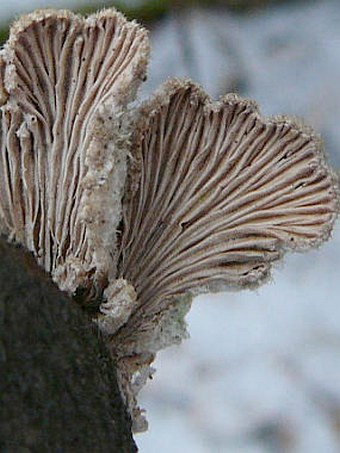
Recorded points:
(65, 84)
(214, 196)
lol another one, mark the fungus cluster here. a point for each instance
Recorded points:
(145, 206)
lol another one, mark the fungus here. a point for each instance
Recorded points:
(146, 206)
(215, 195)
(64, 88)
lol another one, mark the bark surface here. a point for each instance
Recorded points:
(58, 388)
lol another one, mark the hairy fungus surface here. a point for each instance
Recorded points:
(148, 206)
(65, 84)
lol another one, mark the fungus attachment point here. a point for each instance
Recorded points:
(65, 83)
(120, 303)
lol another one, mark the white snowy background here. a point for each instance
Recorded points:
(261, 371)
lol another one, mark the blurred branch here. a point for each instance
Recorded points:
(149, 11)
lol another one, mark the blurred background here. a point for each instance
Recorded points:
(261, 372)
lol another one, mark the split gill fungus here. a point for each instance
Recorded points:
(145, 205)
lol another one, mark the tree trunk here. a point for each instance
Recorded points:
(58, 383)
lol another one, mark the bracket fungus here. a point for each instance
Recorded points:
(65, 85)
(145, 206)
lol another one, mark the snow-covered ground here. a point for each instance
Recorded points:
(261, 372)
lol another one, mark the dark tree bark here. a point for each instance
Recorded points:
(58, 384)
